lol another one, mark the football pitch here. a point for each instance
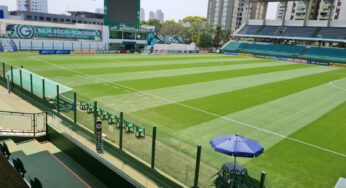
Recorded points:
(296, 111)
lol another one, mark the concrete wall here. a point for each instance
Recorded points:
(27, 44)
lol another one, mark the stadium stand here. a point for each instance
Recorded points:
(266, 49)
(294, 31)
(291, 51)
(332, 33)
(268, 30)
(250, 29)
(326, 54)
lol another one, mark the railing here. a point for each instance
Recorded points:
(23, 124)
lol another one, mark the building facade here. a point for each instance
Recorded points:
(160, 15)
(33, 5)
(231, 14)
(320, 10)
(142, 14)
(152, 15)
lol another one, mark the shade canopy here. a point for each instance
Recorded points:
(237, 146)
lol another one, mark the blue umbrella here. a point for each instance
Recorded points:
(237, 146)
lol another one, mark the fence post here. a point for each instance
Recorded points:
(34, 124)
(43, 90)
(46, 123)
(31, 86)
(198, 161)
(11, 75)
(57, 98)
(121, 130)
(21, 78)
(263, 178)
(95, 116)
(75, 107)
(153, 148)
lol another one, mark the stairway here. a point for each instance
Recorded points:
(8, 45)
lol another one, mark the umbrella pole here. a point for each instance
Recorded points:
(235, 161)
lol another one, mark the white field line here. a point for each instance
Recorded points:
(203, 111)
(335, 86)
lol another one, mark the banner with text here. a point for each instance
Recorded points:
(31, 32)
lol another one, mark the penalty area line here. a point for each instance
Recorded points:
(200, 110)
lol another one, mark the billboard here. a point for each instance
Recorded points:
(122, 13)
(30, 32)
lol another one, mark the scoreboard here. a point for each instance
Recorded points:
(122, 13)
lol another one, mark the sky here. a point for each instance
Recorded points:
(173, 9)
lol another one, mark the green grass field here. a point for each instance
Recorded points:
(297, 112)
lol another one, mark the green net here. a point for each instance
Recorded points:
(34, 83)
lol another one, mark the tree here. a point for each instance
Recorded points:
(205, 40)
(171, 27)
(193, 19)
(154, 22)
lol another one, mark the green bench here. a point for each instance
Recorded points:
(83, 105)
(90, 108)
(104, 115)
(129, 127)
(140, 131)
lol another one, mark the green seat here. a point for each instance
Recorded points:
(83, 105)
(104, 115)
(90, 108)
(99, 111)
(111, 118)
(129, 127)
(140, 131)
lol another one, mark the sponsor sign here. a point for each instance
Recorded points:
(245, 55)
(318, 63)
(54, 52)
(231, 53)
(30, 32)
(338, 64)
(303, 61)
(99, 144)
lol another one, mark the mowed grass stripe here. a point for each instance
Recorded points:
(137, 101)
(78, 81)
(284, 116)
(308, 164)
(155, 83)
(176, 117)
(98, 65)
(141, 68)
(128, 58)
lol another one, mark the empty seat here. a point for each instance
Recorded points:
(294, 31)
(250, 29)
(332, 33)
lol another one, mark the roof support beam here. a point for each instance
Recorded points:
(284, 16)
(264, 13)
(308, 11)
(331, 7)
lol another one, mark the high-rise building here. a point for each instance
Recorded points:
(142, 14)
(152, 15)
(33, 5)
(320, 10)
(231, 14)
(99, 10)
(159, 15)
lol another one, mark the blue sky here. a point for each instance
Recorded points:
(173, 9)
